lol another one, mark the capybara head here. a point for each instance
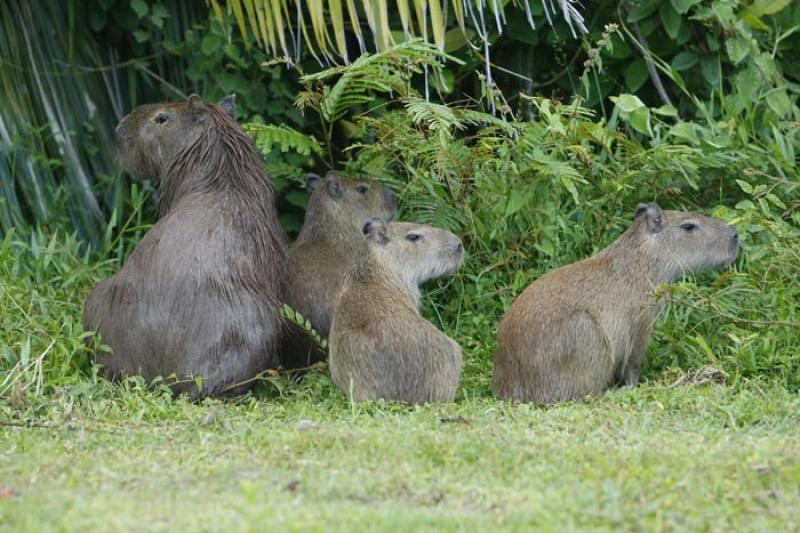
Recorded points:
(151, 137)
(686, 242)
(416, 252)
(348, 203)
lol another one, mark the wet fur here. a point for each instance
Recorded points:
(199, 296)
(380, 345)
(580, 328)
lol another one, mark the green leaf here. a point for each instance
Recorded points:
(684, 130)
(635, 74)
(748, 82)
(754, 22)
(738, 48)
(211, 43)
(765, 7)
(644, 9)
(684, 33)
(779, 102)
(682, 6)
(774, 200)
(627, 103)
(685, 60)
(767, 66)
(666, 111)
(516, 202)
(141, 36)
(640, 120)
(97, 19)
(746, 187)
(157, 21)
(297, 198)
(140, 7)
(709, 66)
(671, 19)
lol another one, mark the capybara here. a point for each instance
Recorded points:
(199, 297)
(323, 254)
(577, 329)
(380, 345)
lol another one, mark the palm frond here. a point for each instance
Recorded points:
(472, 17)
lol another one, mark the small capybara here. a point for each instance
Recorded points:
(323, 254)
(380, 345)
(577, 329)
(199, 297)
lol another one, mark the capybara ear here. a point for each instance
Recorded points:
(228, 104)
(334, 185)
(195, 105)
(312, 182)
(653, 216)
(376, 230)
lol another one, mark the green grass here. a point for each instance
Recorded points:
(80, 453)
(98, 457)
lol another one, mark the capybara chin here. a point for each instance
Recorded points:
(199, 296)
(580, 328)
(380, 345)
(323, 254)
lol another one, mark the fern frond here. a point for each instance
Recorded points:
(267, 135)
(473, 117)
(437, 118)
(384, 72)
(307, 99)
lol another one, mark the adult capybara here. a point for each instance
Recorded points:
(323, 254)
(380, 345)
(199, 297)
(579, 328)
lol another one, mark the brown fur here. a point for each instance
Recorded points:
(323, 254)
(199, 296)
(380, 345)
(579, 328)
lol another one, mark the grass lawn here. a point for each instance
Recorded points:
(100, 457)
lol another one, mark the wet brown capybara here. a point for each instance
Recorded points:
(380, 345)
(577, 329)
(199, 297)
(323, 254)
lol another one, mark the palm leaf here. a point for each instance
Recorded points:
(431, 18)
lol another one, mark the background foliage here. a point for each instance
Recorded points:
(539, 168)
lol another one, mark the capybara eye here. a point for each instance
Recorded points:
(161, 118)
(362, 189)
(413, 237)
(688, 226)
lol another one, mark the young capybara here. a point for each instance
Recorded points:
(380, 345)
(579, 328)
(323, 254)
(199, 297)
